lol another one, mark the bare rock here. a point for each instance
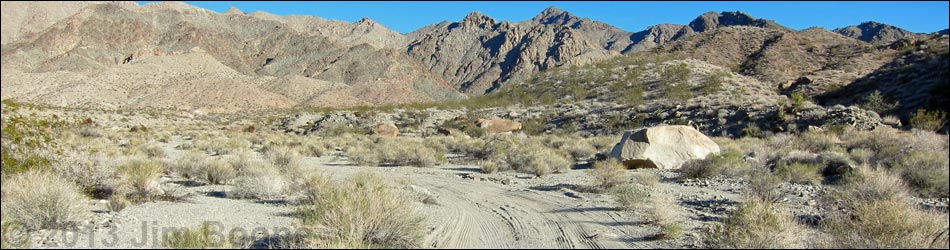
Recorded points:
(663, 147)
(498, 126)
(386, 130)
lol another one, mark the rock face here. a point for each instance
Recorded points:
(663, 147)
(386, 130)
(874, 32)
(498, 126)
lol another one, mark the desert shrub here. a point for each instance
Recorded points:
(580, 150)
(259, 181)
(526, 155)
(603, 143)
(117, 203)
(756, 224)
(818, 142)
(762, 186)
(40, 200)
(928, 120)
(630, 197)
(872, 211)
(490, 167)
(649, 179)
(27, 143)
(286, 159)
(799, 173)
(89, 132)
(879, 103)
(663, 213)
(189, 165)
(217, 171)
(12, 235)
(396, 151)
(139, 179)
(926, 172)
(728, 163)
(205, 236)
(608, 174)
(713, 82)
(362, 212)
(153, 150)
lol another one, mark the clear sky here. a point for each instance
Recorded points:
(404, 17)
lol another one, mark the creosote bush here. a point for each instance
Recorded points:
(757, 224)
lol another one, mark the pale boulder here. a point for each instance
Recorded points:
(498, 126)
(663, 147)
(386, 130)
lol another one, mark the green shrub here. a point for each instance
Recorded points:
(26, 142)
(713, 82)
(629, 196)
(879, 103)
(928, 120)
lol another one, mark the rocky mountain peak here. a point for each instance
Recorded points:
(555, 16)
(477, 19)
(712, 20)
(874, 32)
(234, 11)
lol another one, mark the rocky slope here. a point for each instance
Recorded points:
(122, 55)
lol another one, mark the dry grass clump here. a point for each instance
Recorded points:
(218, 171)
(41, 200)
(757, 224)
(363, 213)
(259, 180)
(603, 143)
(872, 210)
(580, 150)
(139, 179)
(283, 157)
(189, 165)
(205, 236)
(153, 150)
(608, 174)
(459, 145)
(664, 213)
(646, 178)
(396, 152)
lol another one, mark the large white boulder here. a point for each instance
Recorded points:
(663, 147)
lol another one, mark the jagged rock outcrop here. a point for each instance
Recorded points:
(874, 32)
(663, 147)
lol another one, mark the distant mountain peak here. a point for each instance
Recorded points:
(553, 15)
(874, 32)
(713, 20)
(477, 19)
(234, 11)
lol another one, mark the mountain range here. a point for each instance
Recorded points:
(171, 55)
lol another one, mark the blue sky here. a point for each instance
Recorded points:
(404, 17)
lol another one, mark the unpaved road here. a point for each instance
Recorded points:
(480, 211)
